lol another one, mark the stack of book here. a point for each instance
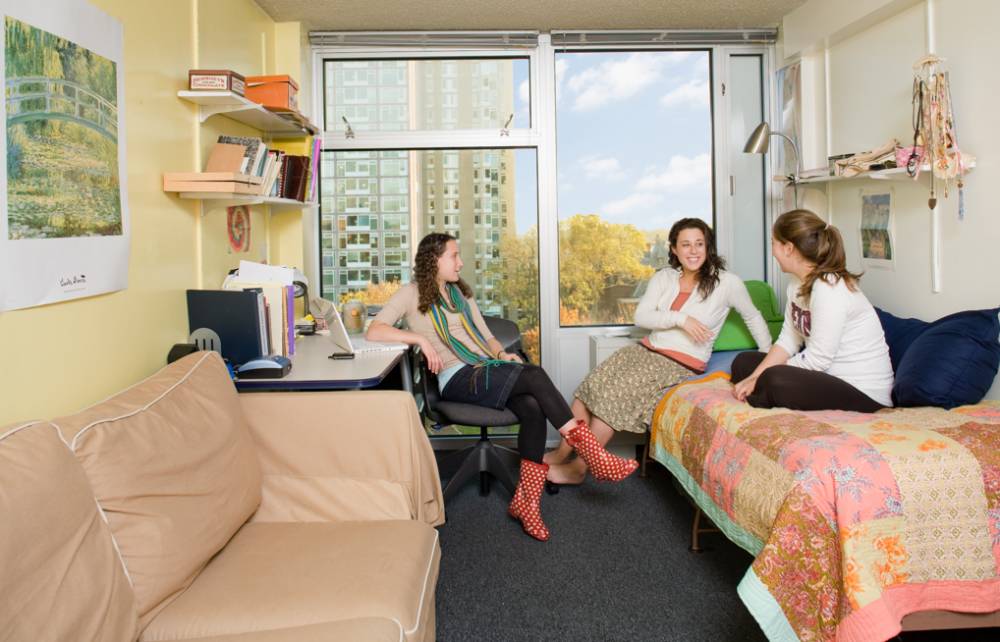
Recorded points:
(244, 165)
(293, 176)
(276, 309)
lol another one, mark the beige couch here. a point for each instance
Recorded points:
(180, 510)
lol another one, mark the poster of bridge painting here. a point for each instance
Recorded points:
(64, 233)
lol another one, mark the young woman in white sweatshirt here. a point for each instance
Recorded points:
(685, 306)
(831, 354)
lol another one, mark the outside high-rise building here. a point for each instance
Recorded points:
(376, 205)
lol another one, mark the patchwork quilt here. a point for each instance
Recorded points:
(855, 519)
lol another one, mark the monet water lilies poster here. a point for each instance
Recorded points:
(65, 220)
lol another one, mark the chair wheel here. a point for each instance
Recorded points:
(551, 488)
(484, 483)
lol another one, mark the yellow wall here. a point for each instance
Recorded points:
(65, 356)
(232, 34)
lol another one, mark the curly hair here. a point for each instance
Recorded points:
(819, 243)
(425, 268)
(714, 265)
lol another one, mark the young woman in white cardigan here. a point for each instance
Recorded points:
(831, 354)
(685, 306)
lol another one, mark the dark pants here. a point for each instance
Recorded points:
(799, 389)
(532, 397)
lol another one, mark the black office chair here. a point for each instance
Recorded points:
(485, 459)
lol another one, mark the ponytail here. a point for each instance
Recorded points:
(819, 243)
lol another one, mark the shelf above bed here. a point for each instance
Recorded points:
(896, 173)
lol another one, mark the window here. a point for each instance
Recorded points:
(633, 153)
(380, 245)
(621, 187)
(377, 95)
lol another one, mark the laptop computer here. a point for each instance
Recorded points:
(346, 347)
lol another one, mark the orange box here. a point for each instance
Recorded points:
(273, 92)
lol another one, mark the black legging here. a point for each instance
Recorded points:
(534, 398)
(798, 388)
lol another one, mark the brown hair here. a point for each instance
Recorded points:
(817, 242)
(708, 274)
(429, 251)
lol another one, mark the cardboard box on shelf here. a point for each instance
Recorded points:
(182, 182)
(212, 176)
(216, 80)
(274, 92)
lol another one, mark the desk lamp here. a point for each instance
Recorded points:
(760, 141)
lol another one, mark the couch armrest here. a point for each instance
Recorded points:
(343, 456)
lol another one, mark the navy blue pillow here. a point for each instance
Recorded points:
(899, 334)
(952, 362)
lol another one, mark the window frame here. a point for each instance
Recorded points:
(530, 138)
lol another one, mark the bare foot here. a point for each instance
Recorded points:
(552, 458)
(571, 474)
(558, 455)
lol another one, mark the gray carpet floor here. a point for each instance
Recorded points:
(616, 568)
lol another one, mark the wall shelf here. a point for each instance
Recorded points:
(276, 204)
(896, 173)
(238, 108)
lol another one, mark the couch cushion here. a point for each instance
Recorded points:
(368, 629)
(173, 466)
(60, 577)
(283, 574)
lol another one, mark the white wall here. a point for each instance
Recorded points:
(869, 79)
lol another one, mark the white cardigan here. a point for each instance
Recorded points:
(668, 332)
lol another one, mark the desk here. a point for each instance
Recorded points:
(312, 369)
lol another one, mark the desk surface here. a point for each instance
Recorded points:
(312, 369)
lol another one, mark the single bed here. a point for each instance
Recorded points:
(855, 520)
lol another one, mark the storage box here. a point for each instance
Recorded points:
(274, 92)
(210, 177)
(225, 182)
(216, 80)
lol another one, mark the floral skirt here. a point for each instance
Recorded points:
(624, 389)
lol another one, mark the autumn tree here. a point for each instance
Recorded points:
(517, 272)
(516, 285)
(374, 294)
(595, 255)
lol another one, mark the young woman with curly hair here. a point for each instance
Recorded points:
(685, 306)
(831, 354)
(472, 367)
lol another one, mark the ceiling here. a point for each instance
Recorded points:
(535, 15)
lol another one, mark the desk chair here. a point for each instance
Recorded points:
(485, 459)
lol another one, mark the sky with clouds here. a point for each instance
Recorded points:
(634, 136)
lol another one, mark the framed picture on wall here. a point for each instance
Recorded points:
(64, 220)
(878, 243)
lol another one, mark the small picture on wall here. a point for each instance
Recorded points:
(238, 227)
(878, 246)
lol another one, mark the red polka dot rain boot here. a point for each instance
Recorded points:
(602, 464)
(525, 504)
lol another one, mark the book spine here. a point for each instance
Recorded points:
(265, 340)
(314, 186)
(290, 317)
